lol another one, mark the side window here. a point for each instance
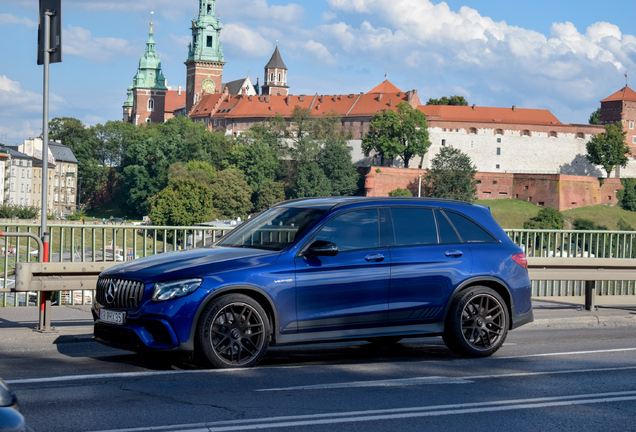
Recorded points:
(413, 226)
(469, 231)
(447, 233)
(352, 231)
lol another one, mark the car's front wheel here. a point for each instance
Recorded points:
(477, 322)
(233, 332)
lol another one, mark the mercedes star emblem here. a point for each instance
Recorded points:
(110, 293)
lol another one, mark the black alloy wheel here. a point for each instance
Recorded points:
(233, 332)
(477, 323)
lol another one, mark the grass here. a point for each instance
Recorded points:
(601, 215)
(510, 213)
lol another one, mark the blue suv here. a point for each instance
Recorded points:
(324, 270)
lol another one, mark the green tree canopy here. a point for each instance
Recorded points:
(397, 133)
(184, 202)
(256, 160)
(334, 158)
(453, 100)
(452, 175)
(547, 218)
(595, 117)
(231, 194)
(312, 181)
(627, 195)
(270, 193)
(609, 148)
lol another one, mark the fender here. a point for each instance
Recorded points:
(475, 280)
(189, 344)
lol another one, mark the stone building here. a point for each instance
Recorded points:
(17, 176)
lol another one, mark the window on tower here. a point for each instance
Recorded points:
(209, 42)
(279, 78)
(151, 105)
(271, 77)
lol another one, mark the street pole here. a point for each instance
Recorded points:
(45, 297)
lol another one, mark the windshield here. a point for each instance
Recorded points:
(273, 230)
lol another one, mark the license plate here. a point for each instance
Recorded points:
(112, 316)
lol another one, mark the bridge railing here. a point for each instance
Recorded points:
(577, 244)
(91, 243)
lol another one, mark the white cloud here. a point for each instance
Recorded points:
(319, 52)
(328, 16)
(246, 40)
(260, 11)
(6, 18)
(181, 41)
(79, 42)
(14, 100)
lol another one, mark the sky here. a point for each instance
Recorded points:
(562, 56)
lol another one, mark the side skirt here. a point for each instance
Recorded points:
(421, 330)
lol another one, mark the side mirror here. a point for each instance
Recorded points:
(322, 248)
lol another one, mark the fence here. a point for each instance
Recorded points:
(577, 244)
(91, 243)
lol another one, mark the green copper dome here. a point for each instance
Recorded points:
(206, 30)
(149, 74)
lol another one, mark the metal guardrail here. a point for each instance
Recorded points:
(90, 242)
(589, 270)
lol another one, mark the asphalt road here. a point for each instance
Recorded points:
(541, 380)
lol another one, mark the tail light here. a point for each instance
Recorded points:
(520, 258)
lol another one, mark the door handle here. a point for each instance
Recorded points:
(374, 257)
(454, 253)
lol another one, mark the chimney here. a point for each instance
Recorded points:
(390, 103)
(380, 97)
(322, 99)
(301, 98)
(514, 108)
(267, 99)
(287, 99)
(243, 90)
(399, 94)
(250, 98)
(351, 96)
(474, 107)
(261, 98)
(179, 90)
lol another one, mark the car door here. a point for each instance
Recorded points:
(428, 260)
(351, 289)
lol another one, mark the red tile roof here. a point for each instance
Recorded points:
(240, 106)
(624, 94)
(174, 101)
(385, 87)
(489, 115)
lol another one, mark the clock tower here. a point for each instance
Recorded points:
(204, 66)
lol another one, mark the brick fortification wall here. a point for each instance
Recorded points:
(552, 190)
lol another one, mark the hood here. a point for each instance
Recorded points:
(190, 263)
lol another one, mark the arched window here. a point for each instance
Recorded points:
(151, 105)
(525, 132)
(499, 132)
(580, 135)
(553, 134)
(271, 76)
(280, 77)
(473, 131)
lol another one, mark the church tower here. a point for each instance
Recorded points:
(148, 89)
(276, 76)
(204, 66)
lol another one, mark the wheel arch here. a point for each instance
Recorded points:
(490, 282)
(251, 291)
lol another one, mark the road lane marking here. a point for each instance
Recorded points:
(390, 414)
(400, 382)
(198, 371)
(566, 353)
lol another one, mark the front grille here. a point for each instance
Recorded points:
(126, 294)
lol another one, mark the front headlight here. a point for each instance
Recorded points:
(173, 289)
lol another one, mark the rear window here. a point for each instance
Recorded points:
(469, 231)
(413, 226)
(447, 234)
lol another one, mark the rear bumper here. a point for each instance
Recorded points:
(520, 319)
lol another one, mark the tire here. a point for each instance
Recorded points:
(477, 323)
(233, 332)
(384, 340)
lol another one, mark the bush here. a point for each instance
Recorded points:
(400, 193)
(8, 211)
(547, 218)
(77, 215)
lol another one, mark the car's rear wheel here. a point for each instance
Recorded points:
(233, 332)
(477, 323)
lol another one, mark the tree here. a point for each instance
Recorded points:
(595, 117)
(231, 194)
(627, 195)
(609, 149)
(184, 202)
(397, 133)
(624, 226)
(312, 181)
(453, 100)
(452, 175)
(399, 192)
(334, 158)
(270, 193)
(547, 218)
(257, 161)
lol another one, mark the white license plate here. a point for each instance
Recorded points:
(112, 316)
